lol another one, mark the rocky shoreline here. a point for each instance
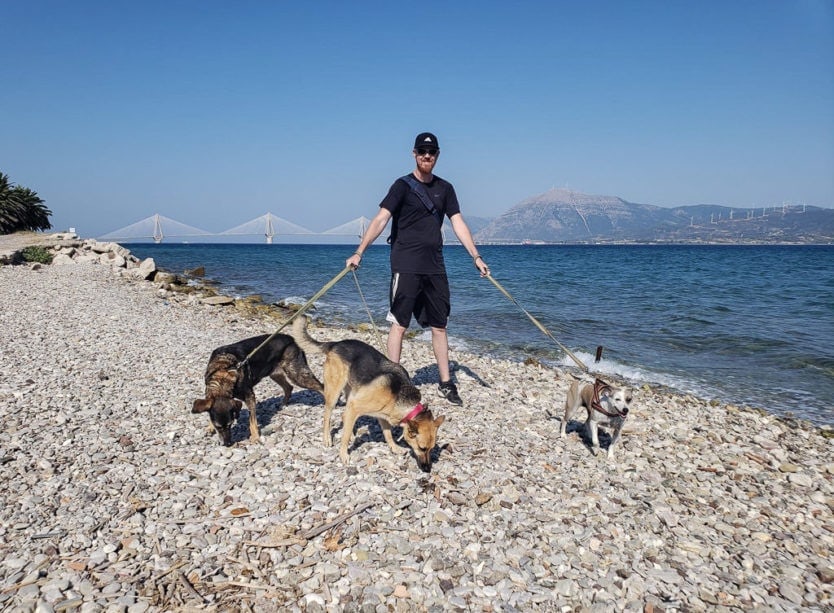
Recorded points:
(117, 498)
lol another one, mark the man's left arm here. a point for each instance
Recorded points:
(465, 237)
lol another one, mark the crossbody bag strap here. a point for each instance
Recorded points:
(420, 189)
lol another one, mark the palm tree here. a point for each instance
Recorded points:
(21, 208)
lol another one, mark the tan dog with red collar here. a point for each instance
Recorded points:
(373, 385)
(606, 404)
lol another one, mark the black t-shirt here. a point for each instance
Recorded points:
(418, 244)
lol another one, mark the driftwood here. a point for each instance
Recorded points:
(188, 587)
(49, 535)
(289, 542)
(314, 532)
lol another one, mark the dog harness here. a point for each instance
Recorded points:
(601, 386)
(418, 408)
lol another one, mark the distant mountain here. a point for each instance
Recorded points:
(562, 215)
(476, 224)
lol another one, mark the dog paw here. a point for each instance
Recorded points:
(343, 455)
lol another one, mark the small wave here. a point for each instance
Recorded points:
(690, 320)
(638, 375)
(458, 343)
(455, 342)
(300, 300)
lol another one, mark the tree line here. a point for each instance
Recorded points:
(21, 208)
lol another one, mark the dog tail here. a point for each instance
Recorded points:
(304, 340)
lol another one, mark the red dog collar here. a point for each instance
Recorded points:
(418, 408)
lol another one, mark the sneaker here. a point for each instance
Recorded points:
(450, 392)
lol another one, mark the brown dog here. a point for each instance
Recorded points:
(281, 359)
(373, 385)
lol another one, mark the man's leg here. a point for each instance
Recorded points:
(395, 342)
(440, 345)
(401, 304)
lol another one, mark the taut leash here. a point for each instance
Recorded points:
(538, 324)
(303, 308)
(368, 311)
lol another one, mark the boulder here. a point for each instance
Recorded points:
(62, 259)
(218, 300)
(101, 247)
(111, 258)
(146, 269)
(166, 278)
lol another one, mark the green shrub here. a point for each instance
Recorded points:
(35, 253)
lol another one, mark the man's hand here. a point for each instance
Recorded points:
(354, 260)
(481, 266)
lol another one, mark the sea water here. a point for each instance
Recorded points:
(749, 325)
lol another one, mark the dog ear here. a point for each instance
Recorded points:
(201, 405)
(439, 420)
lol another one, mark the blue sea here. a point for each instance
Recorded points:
(751, 325)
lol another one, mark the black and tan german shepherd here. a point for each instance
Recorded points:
(373, 385)
(282, 360)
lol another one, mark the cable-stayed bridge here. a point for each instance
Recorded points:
(267, 226)
(158, 227)
(355, 227)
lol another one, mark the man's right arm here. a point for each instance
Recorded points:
(372, 232)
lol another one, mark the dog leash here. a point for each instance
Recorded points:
(303, 308)
(538, 324)
(368, 311)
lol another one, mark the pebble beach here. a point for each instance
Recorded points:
(115, 497)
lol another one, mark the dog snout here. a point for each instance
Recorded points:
(625, 411)
(225, 435)
(424, 461)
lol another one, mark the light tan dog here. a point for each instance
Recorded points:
(373, 385)
(606, 404)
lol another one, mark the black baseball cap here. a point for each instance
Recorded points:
(426, 140)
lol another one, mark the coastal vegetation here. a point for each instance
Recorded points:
(36, 253)
(21, 208)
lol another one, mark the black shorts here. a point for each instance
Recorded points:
(424, 296)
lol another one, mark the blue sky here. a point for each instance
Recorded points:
(214, 113)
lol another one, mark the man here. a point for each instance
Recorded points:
(419, 286)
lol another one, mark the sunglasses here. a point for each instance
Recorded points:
(431, 152)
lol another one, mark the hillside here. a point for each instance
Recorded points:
(562, 215)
